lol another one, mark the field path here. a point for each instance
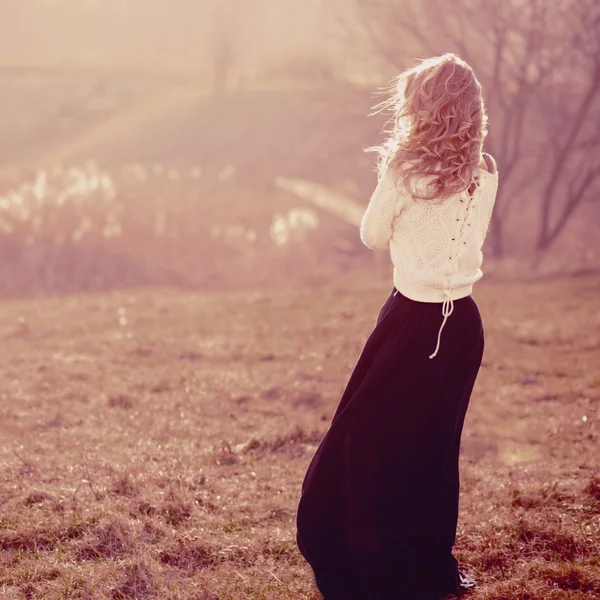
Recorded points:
(133, 117)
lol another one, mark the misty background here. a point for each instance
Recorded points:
(215, 145)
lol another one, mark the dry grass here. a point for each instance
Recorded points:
(162, 458)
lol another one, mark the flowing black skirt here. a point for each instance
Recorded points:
(378, 511)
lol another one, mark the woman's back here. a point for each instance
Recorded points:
(435, 246)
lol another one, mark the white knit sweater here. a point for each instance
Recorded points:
(435, 247)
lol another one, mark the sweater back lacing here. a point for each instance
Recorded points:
(448, 304)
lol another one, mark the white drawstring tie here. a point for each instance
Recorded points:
(447, 310)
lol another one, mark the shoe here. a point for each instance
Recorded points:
(465, 582)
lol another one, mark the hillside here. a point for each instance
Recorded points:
(182, 167)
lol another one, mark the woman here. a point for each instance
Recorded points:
(378, 512)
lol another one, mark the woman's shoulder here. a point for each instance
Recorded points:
(488, 164)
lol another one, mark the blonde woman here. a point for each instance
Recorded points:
(378, 513)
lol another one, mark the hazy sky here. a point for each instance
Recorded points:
(149, 32)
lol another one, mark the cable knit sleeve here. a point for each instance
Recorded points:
(384, 205)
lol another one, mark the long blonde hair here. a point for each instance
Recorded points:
(439, 124)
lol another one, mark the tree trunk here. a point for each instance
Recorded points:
(497, 236)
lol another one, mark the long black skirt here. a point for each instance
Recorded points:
(378, 512)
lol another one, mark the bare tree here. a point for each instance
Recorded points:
(572, 109)
(224, 37)
(223, 45)
(517, 48)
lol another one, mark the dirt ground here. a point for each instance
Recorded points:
(153, 443)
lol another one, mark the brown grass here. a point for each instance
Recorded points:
(163, 458)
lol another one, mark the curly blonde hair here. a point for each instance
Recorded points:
(439, 124)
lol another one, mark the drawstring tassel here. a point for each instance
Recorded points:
(447, 310)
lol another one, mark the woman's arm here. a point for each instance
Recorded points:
(376, 225)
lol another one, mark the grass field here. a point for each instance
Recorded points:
(154, 442)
